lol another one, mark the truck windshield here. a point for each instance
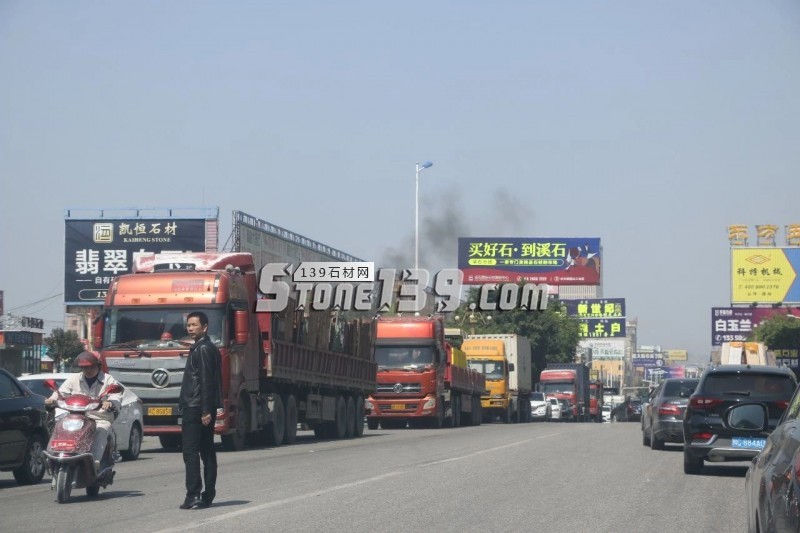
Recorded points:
(403, 356)
(490, 369)
(156, 328)
(550, 388)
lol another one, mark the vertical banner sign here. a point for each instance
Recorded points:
(598, 317)
(98, 250)
(555, 261)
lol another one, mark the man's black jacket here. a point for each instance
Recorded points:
(202, 378)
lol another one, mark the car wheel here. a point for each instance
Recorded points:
(32, 470)
(656, 443)
(692, 465)
(134, 444)
(646, 439)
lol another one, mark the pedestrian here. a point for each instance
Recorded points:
(201, 396)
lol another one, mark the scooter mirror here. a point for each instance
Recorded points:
(51, 384)
(114, 388)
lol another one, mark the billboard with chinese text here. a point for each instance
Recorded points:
(604, 348)
(595, 308)
(765, 275)
(97, 250)
(729, 324)
(555, 261)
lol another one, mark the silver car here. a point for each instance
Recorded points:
(129, 425)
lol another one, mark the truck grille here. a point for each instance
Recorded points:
(398, 388)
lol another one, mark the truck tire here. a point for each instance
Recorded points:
(171, 441)
(507, 414)
(290, 434)
(350, 419)
(237, 440)
(477, 412)
(340, 425)
(359, 403)
(438, 420)
(276, 429)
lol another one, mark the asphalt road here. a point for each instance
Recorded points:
(493, 478)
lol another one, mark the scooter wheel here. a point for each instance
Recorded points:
(63, 484)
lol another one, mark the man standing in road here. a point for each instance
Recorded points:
(201, 396)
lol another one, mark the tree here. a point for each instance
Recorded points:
(63, 346)
(553, 335)
(779, 332)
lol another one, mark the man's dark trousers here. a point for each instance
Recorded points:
(198, 443)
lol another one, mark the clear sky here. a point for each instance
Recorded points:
(652, 126)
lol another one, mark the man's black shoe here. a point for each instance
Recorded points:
(207, 498)
(200, 504)
(191, 503)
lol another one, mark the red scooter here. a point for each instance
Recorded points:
(69, 452)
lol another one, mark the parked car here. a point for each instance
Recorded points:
(708, 437)
(128, 427)
(23, 430)
(540, 407)
(606, 412)
(628, 411)
(771, 483)
(662, 415)
(555, 409)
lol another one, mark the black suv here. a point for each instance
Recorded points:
(23, 431)
(707, 437)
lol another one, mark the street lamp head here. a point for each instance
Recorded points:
(426, 164)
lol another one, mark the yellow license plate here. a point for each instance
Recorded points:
(398, 406)
(159, 411)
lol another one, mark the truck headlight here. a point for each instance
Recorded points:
(430, 403)
(368, 405)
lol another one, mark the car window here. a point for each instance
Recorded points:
(764, 386)
(683, 388)
(8, 389)
(38, 386)
(794, 407)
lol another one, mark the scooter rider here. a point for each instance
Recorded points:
(91, 380)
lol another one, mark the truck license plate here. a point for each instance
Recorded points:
(398, 406)
(159, 411)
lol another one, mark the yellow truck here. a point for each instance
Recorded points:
(505, 361)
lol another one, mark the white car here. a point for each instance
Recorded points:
(555, 409)
(606, 410)
(129, 425)
(539, 406)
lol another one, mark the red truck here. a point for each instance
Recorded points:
(421, 380)
(570, 381)
(278, 369)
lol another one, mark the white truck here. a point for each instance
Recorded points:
(508, 384)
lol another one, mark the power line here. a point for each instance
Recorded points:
(47, 299)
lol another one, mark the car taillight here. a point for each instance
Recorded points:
(701, 402)
(701, 437)
(669, 409)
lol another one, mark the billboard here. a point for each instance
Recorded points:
(677, 355)
(555, 261)
(765, 275)
(604, 348)
(97, 250)
(648, 359)
(273, 244)
(729, 324)
(595, 308)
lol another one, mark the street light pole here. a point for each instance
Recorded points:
(426, 164)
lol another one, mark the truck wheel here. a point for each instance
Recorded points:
(506, 416)
(170, 442)
(372, 423)
(359, 403)
(438, 420)
(236, 441)
(290, 435)
(350, 418)
(340, 425)
(277, 428)
(477, 413)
